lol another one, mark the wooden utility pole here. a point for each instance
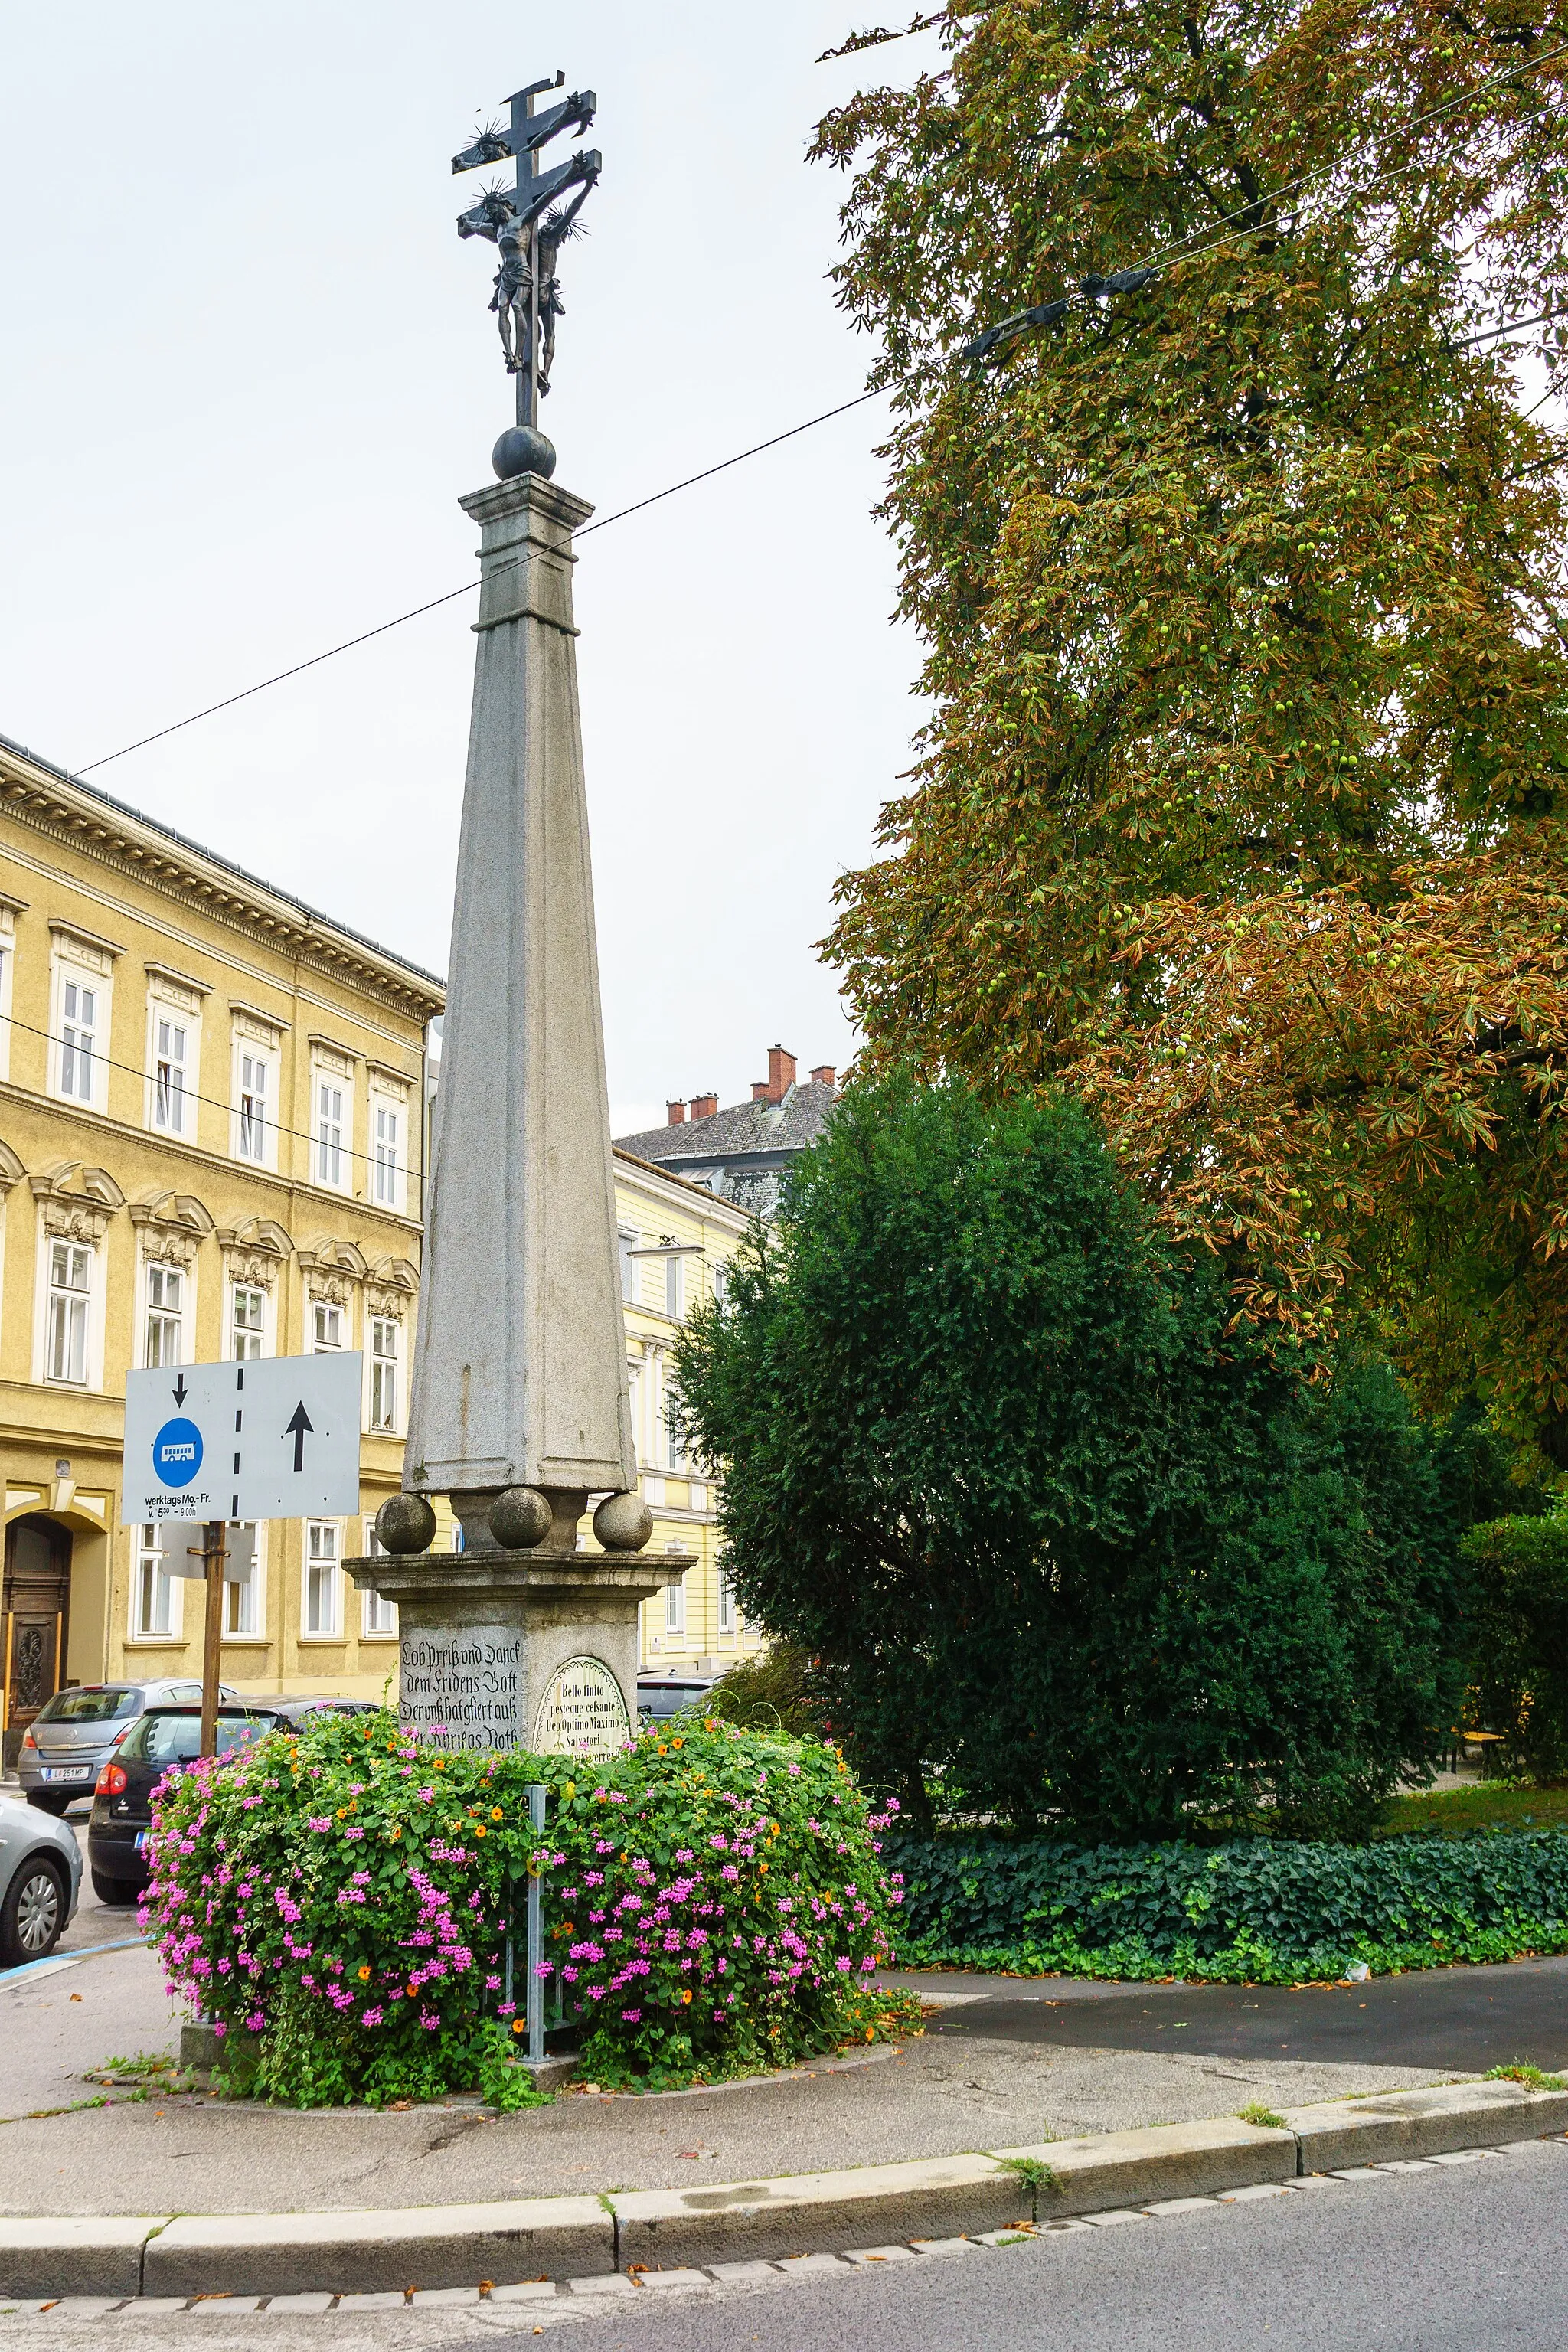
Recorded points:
(214, 1555)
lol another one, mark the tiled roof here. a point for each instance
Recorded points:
(743, 1131)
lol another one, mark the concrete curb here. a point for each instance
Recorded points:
(456, 2246)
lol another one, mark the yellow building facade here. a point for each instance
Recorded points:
(211, 1138)
(213, 1131)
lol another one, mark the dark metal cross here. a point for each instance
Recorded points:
(526, 231)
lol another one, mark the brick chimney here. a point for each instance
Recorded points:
(780, 1073)
(704, 1105)
(676, 1113)
(824, 1074)
(760, 1090)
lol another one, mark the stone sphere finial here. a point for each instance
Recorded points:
(522, 449)
(406, 1523)
(520, 1519)
(623, 1522)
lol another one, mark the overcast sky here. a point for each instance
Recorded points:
(250, 370)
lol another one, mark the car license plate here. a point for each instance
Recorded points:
(141, 1838)
(67, 1772)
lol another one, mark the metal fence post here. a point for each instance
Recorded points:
(535, 1934)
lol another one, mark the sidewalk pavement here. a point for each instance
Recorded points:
(929, 2096)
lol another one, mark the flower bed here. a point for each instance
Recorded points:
(714, 1900)
(1259, 1911)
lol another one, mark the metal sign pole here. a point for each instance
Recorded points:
(214, 1555)
(535, 1934)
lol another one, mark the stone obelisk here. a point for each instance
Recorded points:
(519, 1407)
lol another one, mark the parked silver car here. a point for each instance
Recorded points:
(40, 1878)
(71, 1738)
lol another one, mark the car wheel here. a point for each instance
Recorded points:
(32, 1915)
(117, 1892)
(51, 1800)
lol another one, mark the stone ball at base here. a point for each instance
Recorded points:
(406, 1523)
(623, 1522)
(522, 450)
(520, 1519)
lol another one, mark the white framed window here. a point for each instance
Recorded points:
(242, 1595)
(384, 1341)
(326, 1327)
(728, 1622)
(69, 1297)
(9, 910)
(253, 1093)
(171, 1060)
(153, 1609)
(79, 1040)
(387, 1149)
(625, 1242)
(719, 1281)
(323, 1577)
(379, 1615)
(163, 1334)
(675, 1286)
(674, 1608)
(246, 1322)
(332, 1119)
(80, 982)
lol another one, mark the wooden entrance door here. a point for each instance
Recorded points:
(36, 1619)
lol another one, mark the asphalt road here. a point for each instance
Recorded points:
(1466, 2019)
(1437, 2261)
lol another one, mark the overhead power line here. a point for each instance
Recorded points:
(983, 350)
(468, 586)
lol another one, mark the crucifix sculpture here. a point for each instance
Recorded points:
(528, 223)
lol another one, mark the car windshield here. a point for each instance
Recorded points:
(95, 1705)
(668, 1699)
(178, 1739)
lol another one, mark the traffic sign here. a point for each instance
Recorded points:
(277, 1438)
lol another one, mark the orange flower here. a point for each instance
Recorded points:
(518, 2025)
(662, 1749)
(440, 1766)
(413, 1990)
(686, 1996)
(365, 1975)
(495, 1812)
(762, 1865)
(677, 1743)
(481, 1831)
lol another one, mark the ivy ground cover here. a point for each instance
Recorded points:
(1259, 1911)
(713, 1898)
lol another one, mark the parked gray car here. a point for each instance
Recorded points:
(71, 1738)
(40, 1878)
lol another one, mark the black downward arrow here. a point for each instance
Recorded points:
(296, 1430)
(180, 1389)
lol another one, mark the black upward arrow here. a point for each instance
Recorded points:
(296, 1430)
(180, 1389)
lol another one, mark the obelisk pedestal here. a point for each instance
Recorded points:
(519, 1407)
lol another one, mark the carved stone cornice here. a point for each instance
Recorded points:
(253, 1249)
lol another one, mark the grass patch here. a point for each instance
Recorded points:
(1487, 1805)
(1530, 2076)
(1039, 2178)
(1264, 2117)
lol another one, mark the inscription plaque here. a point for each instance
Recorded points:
(461, 1686)
(583, 1712)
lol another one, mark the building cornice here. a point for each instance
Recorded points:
(58, 802)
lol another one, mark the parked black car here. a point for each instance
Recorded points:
(122, 1801)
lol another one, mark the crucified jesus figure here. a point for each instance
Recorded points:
(512, 300)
